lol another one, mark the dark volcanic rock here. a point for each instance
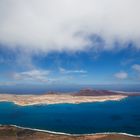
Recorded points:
(91, 92)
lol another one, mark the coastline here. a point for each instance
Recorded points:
(68, 134)
(15, 132)
(48, 99)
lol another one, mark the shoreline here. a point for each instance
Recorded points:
(69, 134)
(35, 104)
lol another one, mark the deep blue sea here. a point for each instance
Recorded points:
(110, 116)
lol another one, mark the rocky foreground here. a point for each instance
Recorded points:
(83, 96)
(15, 133)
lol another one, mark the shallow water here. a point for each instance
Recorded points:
(111, 116)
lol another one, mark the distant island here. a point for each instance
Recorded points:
(8, 132)
(83, 96)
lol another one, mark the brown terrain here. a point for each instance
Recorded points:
(15, 133)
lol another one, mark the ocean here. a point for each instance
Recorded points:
(86, 118)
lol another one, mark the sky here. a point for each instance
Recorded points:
(69, 42)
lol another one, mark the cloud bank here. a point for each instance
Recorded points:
(66, 25)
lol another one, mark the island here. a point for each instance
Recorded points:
(10, 132)
(83, 96)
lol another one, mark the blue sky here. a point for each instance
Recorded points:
(87, 67)
(69, 42)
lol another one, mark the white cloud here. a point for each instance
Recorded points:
(63, 25)
(136, 67)
(121, 75)
(33, 75)
(65, 71)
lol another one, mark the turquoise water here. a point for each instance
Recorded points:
(110, 116)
